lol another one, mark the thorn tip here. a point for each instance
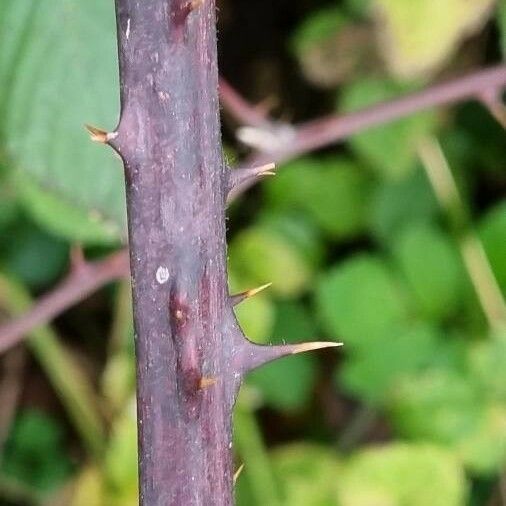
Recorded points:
(318, 345)
(99, 135)
(238, 473)
(240, 297)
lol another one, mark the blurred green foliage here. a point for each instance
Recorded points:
(359, 243)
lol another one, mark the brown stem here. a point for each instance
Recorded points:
(83, 279)
(191, 354)
(319, 133)
(485, 83)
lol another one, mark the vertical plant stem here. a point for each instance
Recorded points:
(251, 449)
(191, 354)
(471, 249)
(169, 139)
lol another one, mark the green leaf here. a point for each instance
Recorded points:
(58, 70)
(400, 204)
(390, 149)
(33, 256)
(120, 466)
(262, 255)
(360, 302)
(316, 27)
(288, 384)
(34, 452)
(440, 405)
(373, 374)
(403, 474)
(501, 20)
(492, 231)
(433, 269)
(64, 218)
(307, 474)
(333, 192)
(452, 409)
(420, 35)
(487, 361)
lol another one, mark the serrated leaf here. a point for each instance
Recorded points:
(360, 302)
(401, 474)
(58, 71)
(433, 269)
(420, 35)
(333, 192)
(390, 149)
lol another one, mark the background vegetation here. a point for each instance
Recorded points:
(394, 243)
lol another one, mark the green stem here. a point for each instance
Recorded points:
(250, 445)
(70, 384)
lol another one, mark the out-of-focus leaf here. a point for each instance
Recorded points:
(492, 231)
(501, 20)
(317, 27)
(118, 380)
(307, 474)
(34, 453)
(297, 231)
(401, 204)
(433, 269)
(51, 82)
(440, 405)
(77, 395)
(359, 302)
(9, 206)
(330, 47)
(390, 149)
(262, 255)
(403, 474)
(487, 361)
(255, 315)
(287, 384)
(358, 7)
(451, 409)
(420, 35)
(121, 461)
(333, 192)
(88, 488)
(33, 256)
(372, 374)
(484, 450)
(63, 217)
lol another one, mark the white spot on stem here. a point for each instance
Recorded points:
(162, 275)
(127, 33)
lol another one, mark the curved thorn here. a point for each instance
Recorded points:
(241, 297)
(99, 135)
(255, 355)
(239, 176)
(238, 473)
